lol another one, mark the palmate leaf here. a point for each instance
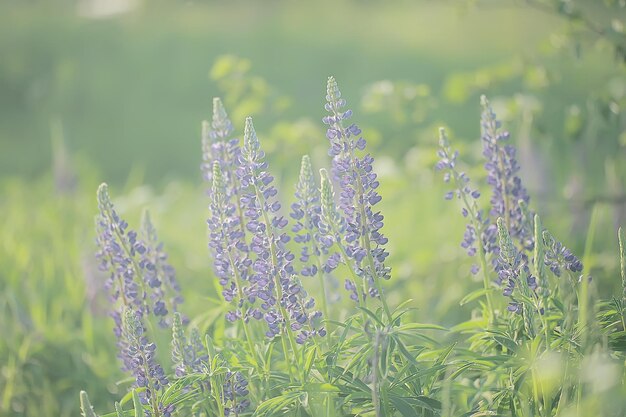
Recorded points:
(278, 405)
(617, 341)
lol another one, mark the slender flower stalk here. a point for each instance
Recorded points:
(188, 354)
(160, 275)
(365, 244)
(219, 146)
(512, 267)
(332, 228)
(273, 279)
(230, 253)
(558, 258)
(502, 175)
(235, 394)
(140, 353)
(136, 271)
(306, 212)
(478, 238)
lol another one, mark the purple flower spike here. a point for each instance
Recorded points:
(502, 174)
(139, 276)
(364, 243)
(272, 279)
(139, 354)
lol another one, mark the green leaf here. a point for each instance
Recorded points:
(320, 387)
(85, 405)
(473, 296)
(118, 410)
(372, 316)
(279, 404)
(420, 326)
(308, 363)
(137, 405)
(405, 352)
(402, 406)
(506, 342)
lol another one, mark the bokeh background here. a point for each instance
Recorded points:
(115, 90)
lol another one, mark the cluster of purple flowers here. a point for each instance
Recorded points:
(559, 258)
(188, 354)
(507, 191)
(364, 243)
(306, 212)
(273, 276)
(512, 267)
(478, 223)
(139, 276)
(235, 393)
(139, 356)
(141, 283)
(511, 239)
(247, 235)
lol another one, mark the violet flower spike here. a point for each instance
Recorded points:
(231, 263)
(217, 143)
(502, 175)
(365, 244)
(134, 279)
(273, 279)
(141, 354)
(307, 212)
(160, 275)
(235, 393)
(559, 258)
(475, 237)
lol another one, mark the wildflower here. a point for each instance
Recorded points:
(160, 275)
(502, 175)
(559, 258)
(231, 262)
(364, 242)
(135, 267)
(188, 355)
(235, 393)
(512, 267)
(331, 224)
(217, 143)
(140, 354)
(272, 279)
(306, 212)
(477, 231)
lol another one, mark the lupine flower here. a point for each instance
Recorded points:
(478, 224)
(188, 355)
(217, 143)
(511, 267)
(306, 212)
(273, 277)
(502, 169)
(331, 224)
(365, 244)
(559, 258)
(231, 262)
(135, 268)
(140, 354)
(235, 393)
(160, 275)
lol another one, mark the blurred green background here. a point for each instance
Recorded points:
(114, 91)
